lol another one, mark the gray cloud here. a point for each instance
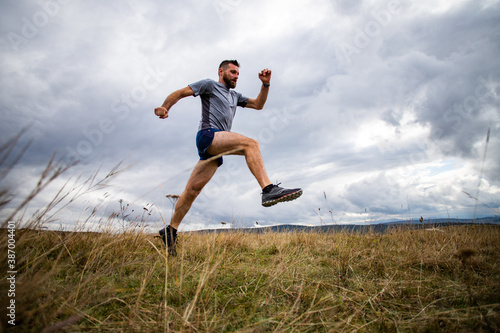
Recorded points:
(370, 103)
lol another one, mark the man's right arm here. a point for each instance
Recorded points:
(171, 99)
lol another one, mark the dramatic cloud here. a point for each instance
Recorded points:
(378, 109)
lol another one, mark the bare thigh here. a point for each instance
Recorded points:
(229, 142)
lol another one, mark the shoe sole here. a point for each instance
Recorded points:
(287, 197)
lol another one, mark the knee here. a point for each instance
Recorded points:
(252, 144)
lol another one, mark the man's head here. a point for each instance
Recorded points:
(229, 72)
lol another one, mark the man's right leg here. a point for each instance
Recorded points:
(202, 173)
(200, 176)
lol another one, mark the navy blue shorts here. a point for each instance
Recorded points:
(204, 139)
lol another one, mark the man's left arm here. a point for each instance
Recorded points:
(258, 103)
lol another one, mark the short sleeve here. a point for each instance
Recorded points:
(202, 87)
(242, 100)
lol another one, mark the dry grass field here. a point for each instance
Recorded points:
(404, 280)
(441, 280)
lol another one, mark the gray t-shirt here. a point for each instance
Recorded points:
(218, 104)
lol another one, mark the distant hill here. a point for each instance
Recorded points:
(368, 227)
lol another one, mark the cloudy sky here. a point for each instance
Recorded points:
(378, 109)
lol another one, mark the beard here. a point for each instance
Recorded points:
(228, 82)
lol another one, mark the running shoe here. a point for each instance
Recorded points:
(272, 194)
(169, 238)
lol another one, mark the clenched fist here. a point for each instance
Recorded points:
(161, 112)
(265, 76)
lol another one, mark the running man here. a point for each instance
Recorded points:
(215, 139)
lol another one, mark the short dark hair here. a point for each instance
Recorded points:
(224, 64)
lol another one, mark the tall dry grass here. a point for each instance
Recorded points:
(401, 281)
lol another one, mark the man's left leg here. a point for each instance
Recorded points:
(224, 142)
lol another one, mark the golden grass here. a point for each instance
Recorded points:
(308, 282)
(403, 280)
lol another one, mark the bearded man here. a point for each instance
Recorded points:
(215, 139)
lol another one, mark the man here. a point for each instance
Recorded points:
(215, 139)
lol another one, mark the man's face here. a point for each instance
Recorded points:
(230, 75)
